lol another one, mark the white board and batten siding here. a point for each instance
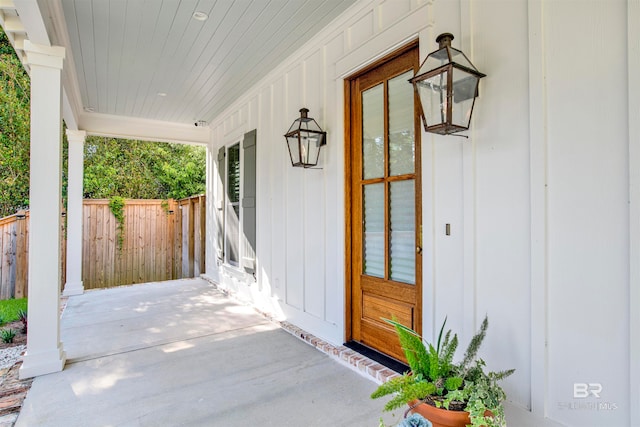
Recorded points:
(542, 198)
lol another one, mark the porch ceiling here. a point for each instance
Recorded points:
(152, 60)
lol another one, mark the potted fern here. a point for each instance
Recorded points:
(444, 392)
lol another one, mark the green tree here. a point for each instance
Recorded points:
(142, 170)
(14, 131)
(182, 173)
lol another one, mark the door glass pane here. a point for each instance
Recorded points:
(373, 239)
(403, 231)
(373, 132)
(401, 125)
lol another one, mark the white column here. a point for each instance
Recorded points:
(74, 284)
(44, 349)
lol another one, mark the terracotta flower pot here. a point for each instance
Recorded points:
(441, 417)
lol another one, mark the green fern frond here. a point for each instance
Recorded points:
(474, 344)
(413, 347)
(417, 390)
(447, 336)
(392, 386)
(500, 375)
(449, 351)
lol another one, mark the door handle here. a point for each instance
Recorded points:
(418, 250)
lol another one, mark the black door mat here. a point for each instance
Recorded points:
(382, 359)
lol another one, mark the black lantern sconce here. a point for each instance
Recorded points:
(304, 140)
(447, 86)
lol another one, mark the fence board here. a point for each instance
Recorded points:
(7, 260)
(22, 256)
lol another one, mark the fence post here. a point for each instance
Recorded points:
(171, 240)
(191, 237)
(203, 233)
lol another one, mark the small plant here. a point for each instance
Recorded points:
(165, 205)
(435, 380)
(2, 322)
(116, 205)
(22, 315)
(415, 420)
(7, 335)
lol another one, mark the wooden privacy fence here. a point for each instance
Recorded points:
(14, 238)
(161, 241)
(158, 237)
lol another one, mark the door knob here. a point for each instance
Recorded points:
(418, 250)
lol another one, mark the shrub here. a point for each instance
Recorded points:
(7, 335)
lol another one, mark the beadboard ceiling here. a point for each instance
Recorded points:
(152, 59)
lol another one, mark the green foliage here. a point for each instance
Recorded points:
(5, 45)
(142, 170)
(22, 314)
(435, 378)
(10, 309)
(7, 335)
(116, 205)
(14, 131)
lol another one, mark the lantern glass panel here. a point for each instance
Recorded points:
(309, 124)
(310, 147)
(435, 60)
(433, 97)
(460, 58)
(464, 90)
(373, 132)
(294, 126)
(294, 149)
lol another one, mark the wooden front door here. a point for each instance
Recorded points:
(384, 202)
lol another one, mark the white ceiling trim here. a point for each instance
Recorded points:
(143, 129)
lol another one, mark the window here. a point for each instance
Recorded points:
(236, 203)
(233, 205)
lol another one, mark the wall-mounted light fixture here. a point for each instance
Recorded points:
(447, 86)
(304, 140)
(21, 214)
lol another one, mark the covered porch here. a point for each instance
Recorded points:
(533, 219)
(183, 353)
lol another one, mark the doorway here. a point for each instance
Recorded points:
(384, 242)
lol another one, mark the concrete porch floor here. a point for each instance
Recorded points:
(181, 353)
